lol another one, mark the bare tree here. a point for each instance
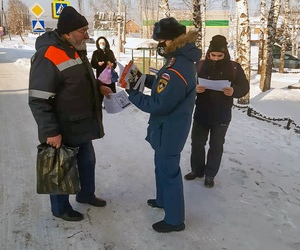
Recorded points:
(266, 69)
(197, 22)
(203, 27)
(236, 33)
(18, 17)
(140, 7)
(294, 23)
(80, 6)
(244, 42)
(284, 35)
(102, 6)
(261, 34)
(164, 9)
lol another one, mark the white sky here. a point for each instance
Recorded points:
(47, 6)
(255, 203)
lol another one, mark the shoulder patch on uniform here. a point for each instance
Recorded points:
(162, 84)
(165, 76)
(170, 62)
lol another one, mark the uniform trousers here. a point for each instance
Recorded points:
(169, 187)
(214, 155)
(86, 162)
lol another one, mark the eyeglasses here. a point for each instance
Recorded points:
(83, 32)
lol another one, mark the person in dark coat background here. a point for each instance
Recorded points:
(170, 106)
(213, 110)
(64, 100)
(103, 57)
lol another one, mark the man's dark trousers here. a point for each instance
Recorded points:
(214, 155)
(86, 162)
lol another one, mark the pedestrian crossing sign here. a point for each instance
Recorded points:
(38, 25)
(57, 7)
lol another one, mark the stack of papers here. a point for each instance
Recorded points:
(217, 85)
(116, 103)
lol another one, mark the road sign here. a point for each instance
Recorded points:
(57, 7)
(37, 10)
(38, 26)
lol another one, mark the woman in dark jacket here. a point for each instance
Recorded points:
(213, 109)
(103, 57)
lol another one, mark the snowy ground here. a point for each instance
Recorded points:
(254, 205)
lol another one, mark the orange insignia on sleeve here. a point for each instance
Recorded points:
(162, 84)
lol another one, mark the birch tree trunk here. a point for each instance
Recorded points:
(140, 7)
(266, 70)
(164, 9)
(203, 27)
(244, 50)
(236, 32)
(197, 22)
(284, 34)
(80, 7)
(261, 34)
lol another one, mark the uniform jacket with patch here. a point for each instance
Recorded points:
(63, 92)
(214, 107)
(172, 97)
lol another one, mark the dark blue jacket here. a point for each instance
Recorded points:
(172, 97)
(213, 107)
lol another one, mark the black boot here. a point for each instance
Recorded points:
(94, 201)
(163, 227)
(192, 175)
(152, 203)
(71, 215)
(209, 182)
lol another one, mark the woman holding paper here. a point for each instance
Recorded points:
(213, 108)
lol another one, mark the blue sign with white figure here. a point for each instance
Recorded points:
(38, 25)
(57, 7)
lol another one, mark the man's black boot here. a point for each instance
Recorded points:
(209, 182)
(192, 175)
(71, 215)
(152, 203)
(163, 227)
(94, 201)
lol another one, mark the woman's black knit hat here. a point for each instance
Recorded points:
(168, 29)
(218, 43)
(70, 20)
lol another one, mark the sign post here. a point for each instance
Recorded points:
(37, 25)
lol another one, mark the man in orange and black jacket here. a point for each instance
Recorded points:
(64, 100)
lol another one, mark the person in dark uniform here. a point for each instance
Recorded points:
(170, 106)
(213, 110)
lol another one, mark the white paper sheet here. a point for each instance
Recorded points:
(116, 103)
(217, 85)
